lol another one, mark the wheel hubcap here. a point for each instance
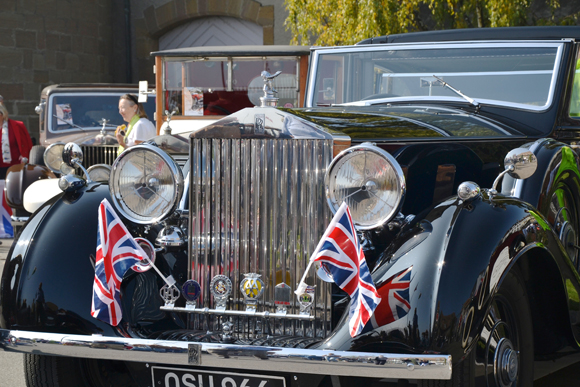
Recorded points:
(506, 363)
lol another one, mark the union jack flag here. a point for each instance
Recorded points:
(117, 252)
(6, 230)
(395, 295)
(341, 255)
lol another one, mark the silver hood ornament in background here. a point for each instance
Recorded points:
(268, 99)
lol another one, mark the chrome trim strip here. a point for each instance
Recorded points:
(228, 312)
(228, 356)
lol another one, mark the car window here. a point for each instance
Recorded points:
(575, 97)
(73, 111)
(222, 86)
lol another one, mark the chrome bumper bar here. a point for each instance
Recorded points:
(229, 356)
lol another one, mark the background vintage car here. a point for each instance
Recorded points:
(83, 106)
(474, 254)
(204, 84)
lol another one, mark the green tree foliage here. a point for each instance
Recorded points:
(341, 22)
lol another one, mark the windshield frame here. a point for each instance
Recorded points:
(559, 45)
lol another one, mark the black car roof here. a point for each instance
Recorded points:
(498, 33)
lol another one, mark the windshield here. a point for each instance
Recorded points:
(68, 111)
(508, 74)
(222, 86)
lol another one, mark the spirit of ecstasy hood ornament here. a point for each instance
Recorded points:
(268, 99)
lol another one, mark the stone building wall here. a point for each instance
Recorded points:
(53, 41)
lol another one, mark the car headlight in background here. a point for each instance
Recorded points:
(53, 156)
(99, 172)
(371, 182)
(146, 184)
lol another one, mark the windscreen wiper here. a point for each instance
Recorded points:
(459, 93)
(68, 122)
(80, 127)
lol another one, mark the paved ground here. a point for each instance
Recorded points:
(12, 369)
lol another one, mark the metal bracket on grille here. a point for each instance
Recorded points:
(238, 313)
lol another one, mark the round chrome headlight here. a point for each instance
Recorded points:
(146, 184)
(371, 182)
(99, 172)
(53, 156)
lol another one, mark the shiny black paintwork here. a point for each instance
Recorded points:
(48, 274)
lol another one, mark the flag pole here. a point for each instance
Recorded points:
(170, 281)
(301, 288)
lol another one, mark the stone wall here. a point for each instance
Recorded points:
(54, 41)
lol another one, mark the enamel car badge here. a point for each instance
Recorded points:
(191, 292)
(306, 299)
(252, 288)
(169, 294)
(220, 287)
(282, 296)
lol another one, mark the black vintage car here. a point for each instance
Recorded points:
(456, 154)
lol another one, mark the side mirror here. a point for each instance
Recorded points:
(72, 154)
(144, 91)
(521, 163)
(40, 108)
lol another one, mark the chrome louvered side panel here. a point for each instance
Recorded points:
(258, 206)
(181, 160)
(102, 154)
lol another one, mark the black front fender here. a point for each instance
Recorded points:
(459, 255)
(48, 276)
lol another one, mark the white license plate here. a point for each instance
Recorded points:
(179, 377)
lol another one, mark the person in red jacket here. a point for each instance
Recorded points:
(15, 142)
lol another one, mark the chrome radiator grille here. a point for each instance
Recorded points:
(258, 206)
(102, 154)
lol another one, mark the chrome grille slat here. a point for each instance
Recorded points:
(206, 217)
(259, 206)
(102, 154)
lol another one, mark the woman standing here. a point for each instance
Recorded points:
(139, 128)
(16, 142)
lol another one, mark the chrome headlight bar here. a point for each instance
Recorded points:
(371, 182)
(146, 184)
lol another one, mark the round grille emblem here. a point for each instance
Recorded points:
(220, 286)
(252, 286)
(191, 290)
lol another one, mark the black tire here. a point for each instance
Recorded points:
(56, 371)
(36, 155)
(509, 318)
